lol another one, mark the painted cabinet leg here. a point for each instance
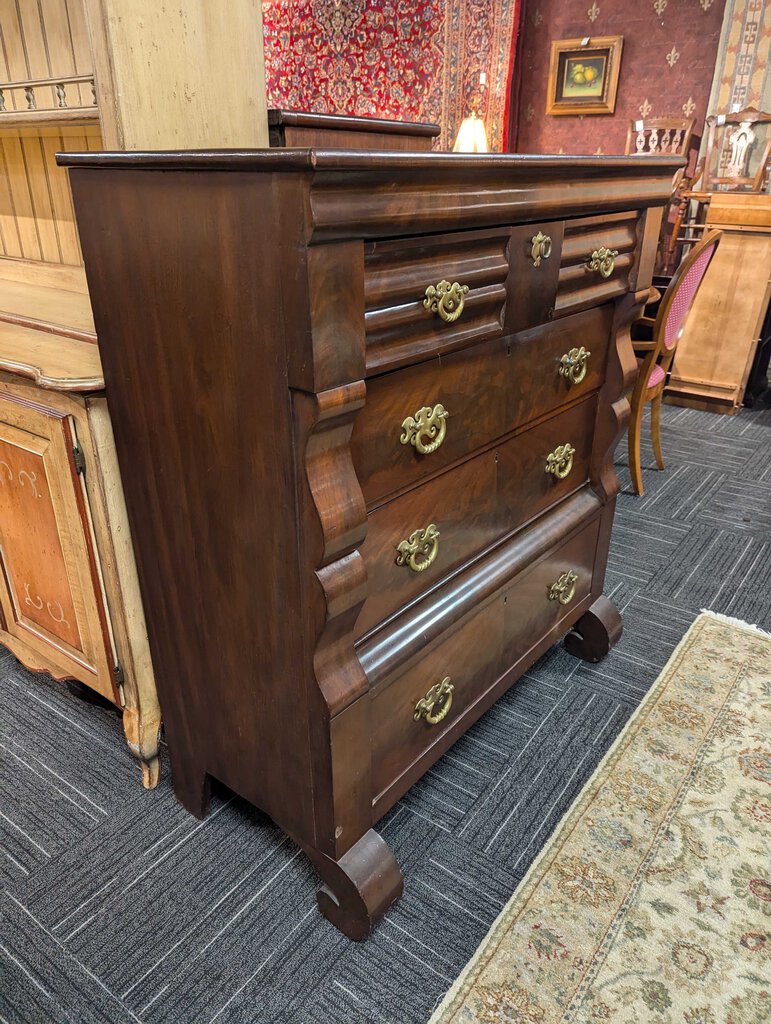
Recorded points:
(596, 631)
(360, 887)
(142, 735)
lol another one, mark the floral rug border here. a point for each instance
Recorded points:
(452, 1009)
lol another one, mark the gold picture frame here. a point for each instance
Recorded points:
(583, 75)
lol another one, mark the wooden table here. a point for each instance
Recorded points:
(715, 353)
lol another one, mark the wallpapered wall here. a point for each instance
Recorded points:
(666, 68)
(417, 60)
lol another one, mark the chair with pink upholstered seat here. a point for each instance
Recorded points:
(659, 352)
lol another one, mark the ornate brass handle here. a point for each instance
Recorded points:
(436, 704)
(420, 549)
(564, 589)
(603, 260)
(540, 248)
(573, 365)
(446, 299)
(560, 462)
(426, 430)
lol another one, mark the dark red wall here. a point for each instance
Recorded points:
(692, 27)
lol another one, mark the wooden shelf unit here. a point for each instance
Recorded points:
(76, 75)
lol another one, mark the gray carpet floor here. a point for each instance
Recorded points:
(120, 907)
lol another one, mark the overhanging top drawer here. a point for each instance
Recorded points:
(425, 296)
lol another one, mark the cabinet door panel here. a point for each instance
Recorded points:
(51, 596)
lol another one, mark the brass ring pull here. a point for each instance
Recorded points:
(564, 589)
(446, 299)
(426, 430)
(603, 260)
(540, 248)
(420, 549)
(436, 704)
(573, 365)
(560, 462)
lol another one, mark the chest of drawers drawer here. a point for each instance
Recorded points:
(597, 260)
(415, 540)
(435, 295)
(430, 697)
(421, 419)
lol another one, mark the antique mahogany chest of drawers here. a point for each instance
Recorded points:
(365, 407)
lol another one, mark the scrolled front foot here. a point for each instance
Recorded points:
(596, 631)
(359, 887)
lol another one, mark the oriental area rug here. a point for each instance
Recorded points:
(652, 900)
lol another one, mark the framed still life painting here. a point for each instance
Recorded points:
(583, 75)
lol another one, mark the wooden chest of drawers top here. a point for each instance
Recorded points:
(274, 350)
(435, 205)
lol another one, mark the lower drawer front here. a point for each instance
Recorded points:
(480, 649)
(463, 511)
(486, 391)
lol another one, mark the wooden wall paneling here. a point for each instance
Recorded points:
(211, 55)
(33, 38)
(62, 212)
(38, 182)
(81, 48)
(37, 220)
(14, 67)
(21, 210)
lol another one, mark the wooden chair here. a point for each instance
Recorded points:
(666, 330)
(665, 135)
(662, 135)
(737, 158)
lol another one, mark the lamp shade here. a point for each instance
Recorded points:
(472, 137)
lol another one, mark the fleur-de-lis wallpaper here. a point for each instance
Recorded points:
(670, 48)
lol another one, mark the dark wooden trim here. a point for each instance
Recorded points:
(478, 164)
(336, 122)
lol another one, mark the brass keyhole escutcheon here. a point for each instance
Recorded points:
(446, 299)
(436, 704)
(560, 462)
(426, 430)
(540, 248)
(573, 365)
(420, 549)
(603, 261)
(564, 589)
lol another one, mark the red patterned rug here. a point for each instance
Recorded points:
(393, 58)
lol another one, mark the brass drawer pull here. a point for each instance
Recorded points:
(603, 261)
(420, 549)
(573, 365)
(560, 462)
(436, 704)
(446, 299)
(540, 248)
(426, 430)
(564, 590)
